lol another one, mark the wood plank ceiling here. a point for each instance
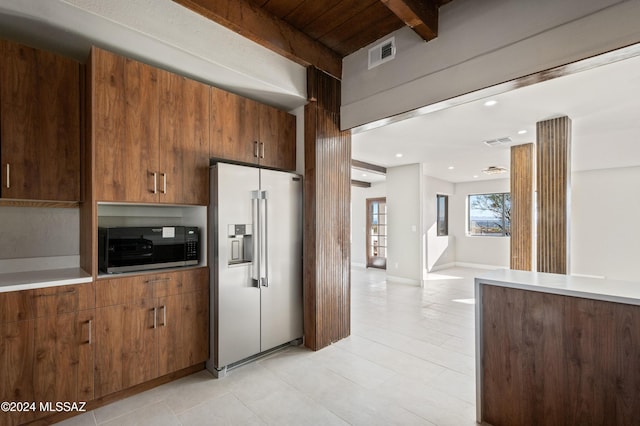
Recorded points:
(320, 32)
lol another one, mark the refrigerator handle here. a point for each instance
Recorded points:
(265, 231)
(255, 264)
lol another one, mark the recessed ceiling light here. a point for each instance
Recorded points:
(522, 132)
(475, 176)
(451, 167)
(491, 102)
(399, 155)
(364, 175)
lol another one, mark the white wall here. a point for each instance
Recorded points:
(605, 223)
(480, 44)
(405, 260)
(359, 220)
(440, 251)
(478, 251)
(28, 232)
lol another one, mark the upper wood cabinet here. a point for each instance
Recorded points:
(250, 132)
(184, 140)
(150, 130)
(39, 124)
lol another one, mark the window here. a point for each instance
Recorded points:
(490, 214)
(443, 215)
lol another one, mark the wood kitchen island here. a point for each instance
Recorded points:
(556, 350)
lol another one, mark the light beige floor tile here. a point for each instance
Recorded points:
(223, 410)
(85, 419)
(130, 404)
(157, 414)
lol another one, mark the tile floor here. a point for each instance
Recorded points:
(409, 360)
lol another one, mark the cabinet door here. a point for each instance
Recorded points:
(39, 124)
(235, 127)
(184, 331)
(277, 138)
(63, 365)
(16, 364)
(125, 121)
(184, 140)
(126, 346)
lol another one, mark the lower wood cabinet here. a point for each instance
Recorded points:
(48, 356)
(149, 326)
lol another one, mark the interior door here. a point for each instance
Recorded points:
(377, 233)
(236, 297)
(281, 294)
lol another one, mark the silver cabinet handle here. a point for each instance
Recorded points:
(90, 322)
(8, 176)
(156, 280)
(155, 182)
(261, 149)
(164, 315)
(155, 317)
(164, 183)
(255, 149)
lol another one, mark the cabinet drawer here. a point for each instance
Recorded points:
(16, 306)
(51, 301)
(121, 290)
(44, 302)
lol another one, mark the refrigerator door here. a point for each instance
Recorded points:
(236, 296)
(281, 271)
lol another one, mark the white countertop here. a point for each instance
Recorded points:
(46, 278)
(567, 285)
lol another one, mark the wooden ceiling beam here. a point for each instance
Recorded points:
(420, 15)
(254, 23)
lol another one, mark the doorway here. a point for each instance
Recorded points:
(377, 233)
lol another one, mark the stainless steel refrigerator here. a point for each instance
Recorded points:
(255, 262)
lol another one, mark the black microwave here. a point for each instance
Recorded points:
(129, 249)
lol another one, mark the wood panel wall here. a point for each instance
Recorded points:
(327, 249)
(522, 175)
(553, 185)
(557, 360)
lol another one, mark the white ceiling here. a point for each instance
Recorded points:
(603, 103)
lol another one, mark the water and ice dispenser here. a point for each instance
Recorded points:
(240, 244)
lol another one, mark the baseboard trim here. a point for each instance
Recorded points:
(401, 280)
(441, 267)
(480, 266)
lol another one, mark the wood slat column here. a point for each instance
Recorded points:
(554, 191)
(522, 175)
(327, 249)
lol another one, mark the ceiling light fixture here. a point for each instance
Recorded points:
(399, 155)
(494, 170)
(522, 132)
(491, 102)
(364, 175)
(451, 167)
(475, 176)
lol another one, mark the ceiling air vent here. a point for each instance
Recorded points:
(500, 142)
(494, 170)
(382, 52)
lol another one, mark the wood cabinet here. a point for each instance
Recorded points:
(149, 326)
(39, 124)
(184, 140)
(46, 347)
(150, 130)
(250, 132)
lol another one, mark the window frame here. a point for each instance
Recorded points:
(444, 233)
(506, 232)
